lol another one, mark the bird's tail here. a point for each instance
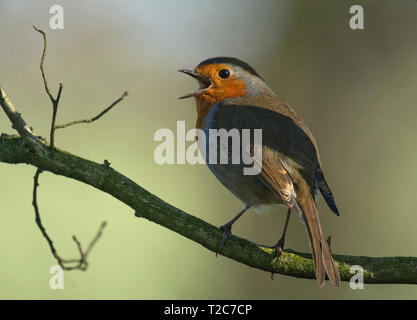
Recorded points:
(322, 257)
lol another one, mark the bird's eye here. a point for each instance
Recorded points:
(224, 73)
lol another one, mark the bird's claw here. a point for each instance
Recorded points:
(227, 231)
(278, 249)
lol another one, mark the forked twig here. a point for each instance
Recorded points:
(55, 101)
(66, 264)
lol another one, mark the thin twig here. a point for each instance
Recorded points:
(55, 101)
(45, 81)
(94, 241)
(125, 94)
(81, 263)
(38, 217)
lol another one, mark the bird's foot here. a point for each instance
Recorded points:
(278, 249)
(227, 231)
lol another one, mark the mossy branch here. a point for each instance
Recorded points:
(101, 176)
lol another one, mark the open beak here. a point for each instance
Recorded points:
(204, 82)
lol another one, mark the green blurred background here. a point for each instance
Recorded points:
(355, 89)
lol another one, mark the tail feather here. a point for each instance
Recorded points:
(322, 257)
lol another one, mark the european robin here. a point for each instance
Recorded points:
(232, 95)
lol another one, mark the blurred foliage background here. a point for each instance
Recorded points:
(355, 89)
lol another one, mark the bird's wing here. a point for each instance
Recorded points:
(279, 133)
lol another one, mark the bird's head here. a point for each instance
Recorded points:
(224, 77)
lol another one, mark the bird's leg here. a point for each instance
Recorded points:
(227, 229)
(279, 247)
